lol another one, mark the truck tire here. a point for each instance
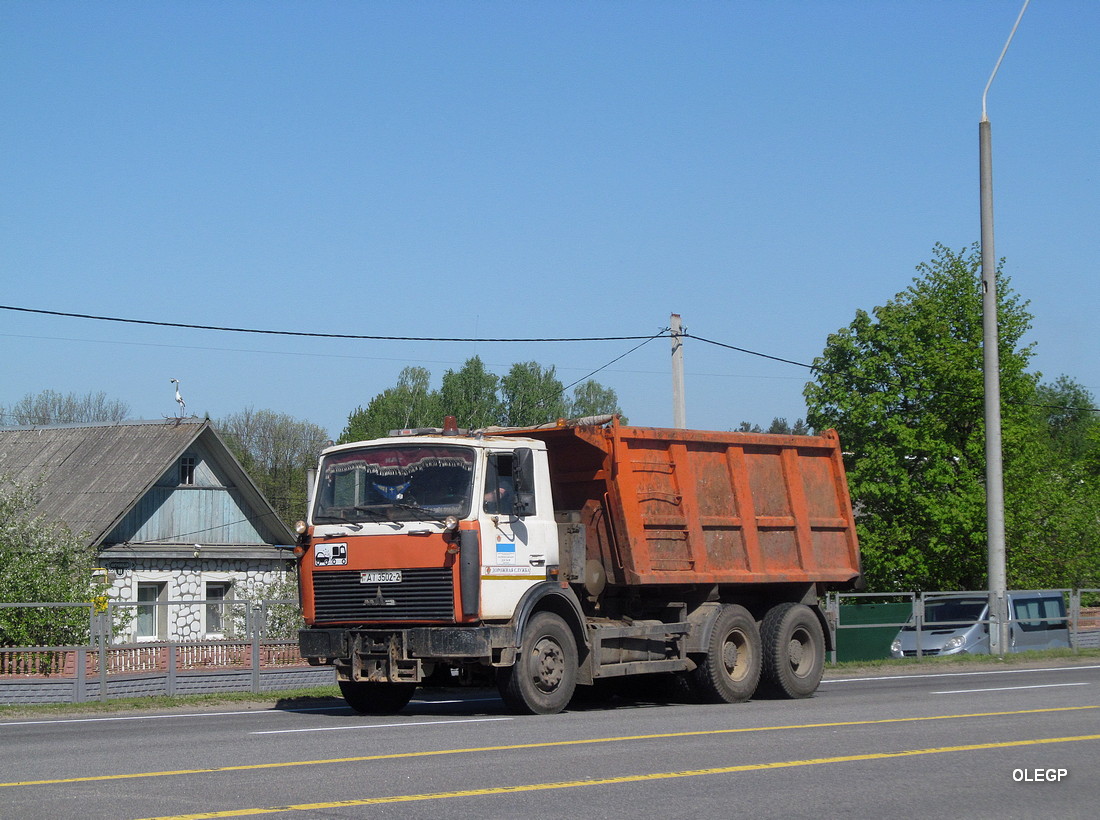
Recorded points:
(794, 651)
(370, 698)
(730, 670)
(544, 676)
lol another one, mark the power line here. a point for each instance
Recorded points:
(310, 334)
(643, 339)
(898, 385)
(657, 335)
(687, 335)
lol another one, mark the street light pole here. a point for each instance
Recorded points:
(994, 472)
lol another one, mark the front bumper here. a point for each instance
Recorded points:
(398, 655)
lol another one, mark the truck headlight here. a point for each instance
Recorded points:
(895, 647)
(953, 643)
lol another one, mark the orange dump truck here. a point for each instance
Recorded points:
(571, 554)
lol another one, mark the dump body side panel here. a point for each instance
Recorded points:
(693, 507)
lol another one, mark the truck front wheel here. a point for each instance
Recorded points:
(544, 676)
(794, 651)
(730, 670)
(370, 698)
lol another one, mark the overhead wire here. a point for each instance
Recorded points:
(657, 335)
(311, 334)
(642, 339)
(819, 369)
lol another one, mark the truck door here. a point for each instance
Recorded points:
(515, 540)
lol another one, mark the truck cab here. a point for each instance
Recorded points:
(484, 505)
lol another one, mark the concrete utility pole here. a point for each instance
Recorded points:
(994, 475)
(679, 414)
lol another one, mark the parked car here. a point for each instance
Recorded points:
(957, 624)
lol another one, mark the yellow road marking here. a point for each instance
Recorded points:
(542, 745)
(610, 781)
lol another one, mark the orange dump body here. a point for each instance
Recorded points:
(663, 506)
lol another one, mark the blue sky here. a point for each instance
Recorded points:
(522, 170)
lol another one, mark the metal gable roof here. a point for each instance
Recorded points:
(91, 475)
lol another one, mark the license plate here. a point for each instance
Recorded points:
(390, 576)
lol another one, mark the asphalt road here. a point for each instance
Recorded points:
(1009, 743)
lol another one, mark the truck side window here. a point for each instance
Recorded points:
(499, 492)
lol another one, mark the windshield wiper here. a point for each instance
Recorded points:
(359, 512)
(425, 513)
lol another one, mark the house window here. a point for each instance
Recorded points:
(187, 470)
(151, 618)
(217, 596)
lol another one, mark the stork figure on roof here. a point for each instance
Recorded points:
(179, 398)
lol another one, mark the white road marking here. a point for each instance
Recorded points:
(1008, 688)
(377, 726)
(266, 711)
(961, 674)
(161, 717)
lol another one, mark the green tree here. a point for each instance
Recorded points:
(471, 395)
(51, 407)
(1066, 413)
(527, 395)
(409, 404)
(532, 395)
(591, 398)
(1052, 490)
(282, 617)
(276, 450)
(904, 388)
(779, 427)
(42, 562)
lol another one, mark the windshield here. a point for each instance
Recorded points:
(402, 483)
(952, 613)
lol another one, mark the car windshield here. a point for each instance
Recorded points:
(951, 613)
(402, 483)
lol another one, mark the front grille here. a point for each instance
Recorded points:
(422, 595)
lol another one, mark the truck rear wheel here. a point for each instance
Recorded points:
(544, 676)
(371, 698)
(730, 670)
(794, 651)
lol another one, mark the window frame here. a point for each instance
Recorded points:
(150, 614)
(188, 465)
(216, 606)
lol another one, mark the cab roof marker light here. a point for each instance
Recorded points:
(450, 428)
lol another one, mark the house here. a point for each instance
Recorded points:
(173, 515)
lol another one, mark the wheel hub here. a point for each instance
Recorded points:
(729, 656)
(549, 665)
(795, 652)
